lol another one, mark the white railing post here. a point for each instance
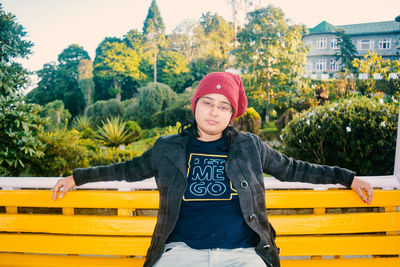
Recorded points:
(397, 157)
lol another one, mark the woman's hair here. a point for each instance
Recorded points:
(190, 128)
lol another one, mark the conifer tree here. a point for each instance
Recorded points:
(154, 30)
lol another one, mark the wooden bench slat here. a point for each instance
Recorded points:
(386, 262)
(287, 199)
(149, 199)
(338, 245)
(336, 223)
(32, 260)
(290, 245)
(29, 260)
(80, 224)
(81, 199)
(144, 225)
(69, 244)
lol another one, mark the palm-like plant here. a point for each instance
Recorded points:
(113, 132)
(81, 123)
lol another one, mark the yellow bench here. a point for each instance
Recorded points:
(36, 231)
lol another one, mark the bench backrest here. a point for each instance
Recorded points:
(333, 223)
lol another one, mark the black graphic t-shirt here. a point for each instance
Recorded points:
(210, 215)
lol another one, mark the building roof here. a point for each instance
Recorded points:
(323, 27)
(355, 29)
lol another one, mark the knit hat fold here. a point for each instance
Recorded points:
(227, 84)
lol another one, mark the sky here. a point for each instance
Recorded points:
(52, 25)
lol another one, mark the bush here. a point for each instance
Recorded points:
(134, 130)
(152, 98)
(84, 125)
(62, 153)
(110, 155)
(250, 121)
(113, 132)
(269, 132)
(103, 110)
(179, 111)
(358, 134)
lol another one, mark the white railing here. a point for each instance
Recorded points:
(383, 182)
(13, 183)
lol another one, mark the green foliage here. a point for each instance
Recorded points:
(372, 64)
(173, 70)
(12, 42)
(118, 62)
(113, 132)
(153, 22)
(250, 121)
(56, 115)
(152, 98)
(18, 134)
(286, 117)
(103, 110)
(179, 111)
(272, 54)
(60, 81)
(131, 111)
(84, 125)
(347, 51)
(85, 80)
(135, 131)
(358, 134)
(110, 155)
(269, 132)
(62, 153)
(19, 120)
(218, 40)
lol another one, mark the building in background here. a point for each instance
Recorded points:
(322, 62)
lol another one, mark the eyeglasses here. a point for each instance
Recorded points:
(226, 108)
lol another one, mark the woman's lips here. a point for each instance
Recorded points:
(211, 122)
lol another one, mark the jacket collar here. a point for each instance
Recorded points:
(177, 152)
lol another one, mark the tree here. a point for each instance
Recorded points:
(219, 36)
(19, 143)
(118, 62)
(378, 72)
(135, 40)
(347, 51)
(188, 38)
(60, 81)
(67, 78)
(154, 30)
(239, 8)
(271, 54)
(152, 98)
(45, 91)
(56, 114)
(85, 80)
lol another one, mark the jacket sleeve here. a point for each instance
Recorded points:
(288, 169)
(136, 169)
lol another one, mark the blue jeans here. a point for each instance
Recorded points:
(178, 254)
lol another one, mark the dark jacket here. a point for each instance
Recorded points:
(248, 159)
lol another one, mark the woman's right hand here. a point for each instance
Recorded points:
(63, 185)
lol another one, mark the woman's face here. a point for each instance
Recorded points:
(213, 113)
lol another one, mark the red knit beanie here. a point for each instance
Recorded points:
(224, 83)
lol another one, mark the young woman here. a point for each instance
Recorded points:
(211, 184)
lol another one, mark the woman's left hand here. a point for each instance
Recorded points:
(360, 186)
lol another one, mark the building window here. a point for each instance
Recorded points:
(384, 43)
(365, 45)
(334, 43)
(309, 67)
(321, 65)
(321, 43)
(334, 65)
